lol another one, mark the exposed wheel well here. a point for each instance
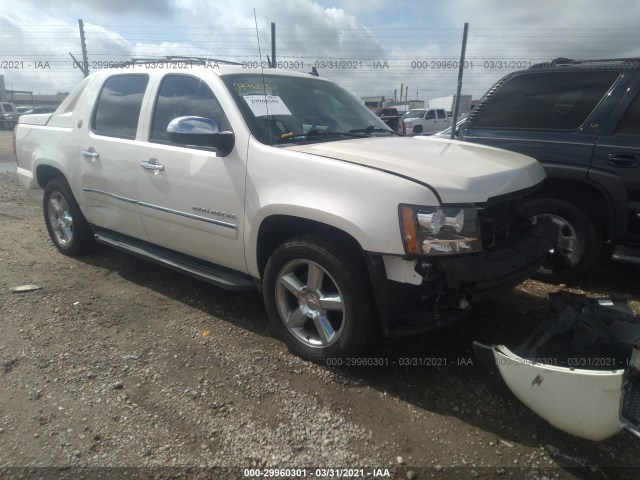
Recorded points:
(276, 229)
(46, 173)
(590, 199)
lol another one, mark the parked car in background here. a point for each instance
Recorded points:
(390, 116)
(8, 115)
(35, 110)
(419, 121)
(581, 120)
(446, 133)
(20, 109)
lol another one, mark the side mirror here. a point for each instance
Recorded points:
(200, 132)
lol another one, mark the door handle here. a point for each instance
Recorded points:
(623, 160)
(152, 164)
(90, 153)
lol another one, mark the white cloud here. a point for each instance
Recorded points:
(398, 32)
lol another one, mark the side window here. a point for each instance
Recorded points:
(118, 108)
(630, 123)
(184, 95)
(431, 115)
(441, 113)
(547, 101)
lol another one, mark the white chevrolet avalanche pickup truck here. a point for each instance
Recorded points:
(283, 182)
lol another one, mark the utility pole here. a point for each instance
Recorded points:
(273, 45)
(83, 44)
(459, 90)
(84, 66)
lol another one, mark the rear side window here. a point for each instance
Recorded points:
(183, 95)
(630, 123)
(546, 101)
(119, 104)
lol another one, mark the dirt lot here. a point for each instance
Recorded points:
(116, 362)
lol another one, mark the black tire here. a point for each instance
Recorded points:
(417, 130)
(324, 275)
(66, 224)
(579, 242)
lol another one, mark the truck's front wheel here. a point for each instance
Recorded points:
(65, 223)
(319, 300)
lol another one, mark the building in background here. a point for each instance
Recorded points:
(448, 103)
(28, 98)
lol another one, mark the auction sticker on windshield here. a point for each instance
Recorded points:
(262, 105)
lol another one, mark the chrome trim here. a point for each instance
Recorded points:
(189, 215)
(618, 147)
(112, 195)
(165, 209)
(152, 164)
(620, 257)
(90, 153)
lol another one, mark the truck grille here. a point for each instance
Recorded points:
(498, 222)
(631, 403)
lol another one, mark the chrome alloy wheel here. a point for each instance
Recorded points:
(310, 303)
(567, 237)
(60, 218)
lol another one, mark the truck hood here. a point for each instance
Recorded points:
(459, 172)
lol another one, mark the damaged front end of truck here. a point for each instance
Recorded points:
(580, 369)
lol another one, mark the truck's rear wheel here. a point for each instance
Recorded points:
(319, 300)
(579, 242)
(65, 223)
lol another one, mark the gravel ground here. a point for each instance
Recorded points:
(116, 362)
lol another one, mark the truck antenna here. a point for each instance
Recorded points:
(264, 86)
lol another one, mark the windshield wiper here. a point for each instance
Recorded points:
(314, 133)
(371, 128)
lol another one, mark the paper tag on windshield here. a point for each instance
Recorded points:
(262, 105)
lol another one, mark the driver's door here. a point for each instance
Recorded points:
(191, 200)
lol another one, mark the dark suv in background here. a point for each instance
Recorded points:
(581, 120)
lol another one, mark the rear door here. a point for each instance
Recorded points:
(618, 152)
(107, 155)
(191, 200)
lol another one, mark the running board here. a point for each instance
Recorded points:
(626, 253)
(209, 272)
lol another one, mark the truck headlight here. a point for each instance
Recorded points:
(440, 230)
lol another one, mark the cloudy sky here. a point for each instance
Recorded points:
(370, 47)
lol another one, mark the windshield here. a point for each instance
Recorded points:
(415, 114)
(284, 109)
